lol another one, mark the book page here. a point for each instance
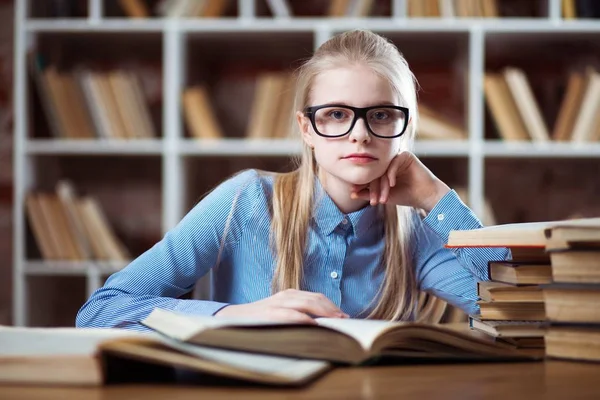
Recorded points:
(182, 327)
(39, 342)
(288, 367)
(365, 331)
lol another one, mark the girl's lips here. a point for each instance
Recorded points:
(360, 158)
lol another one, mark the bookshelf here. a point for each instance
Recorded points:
(179, 169)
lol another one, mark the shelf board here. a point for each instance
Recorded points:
(299, 24)
(540, 149)
(240, 147)
(441, 148)
(73, 268)
(94, 147)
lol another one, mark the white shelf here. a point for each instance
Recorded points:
(239, 147)
(478, 40)
(94, 147)
(75, 268)
(439, 148)
(287, 147)
(549, 149)
(303, 24)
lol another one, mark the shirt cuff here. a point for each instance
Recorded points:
(199, 307)
(449, 214)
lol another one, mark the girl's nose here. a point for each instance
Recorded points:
(359, 132)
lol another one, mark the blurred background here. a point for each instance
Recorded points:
(117, 116)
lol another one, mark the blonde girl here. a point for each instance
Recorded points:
(356, 230)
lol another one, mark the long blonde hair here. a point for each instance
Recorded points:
(293, 192)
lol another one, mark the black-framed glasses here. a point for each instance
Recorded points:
(336, 120)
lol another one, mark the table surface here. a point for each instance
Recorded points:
(550, 379)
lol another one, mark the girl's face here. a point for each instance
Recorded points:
(358, 157)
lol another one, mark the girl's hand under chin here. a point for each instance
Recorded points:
(407, 182)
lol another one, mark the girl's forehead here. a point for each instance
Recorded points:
(351, 84)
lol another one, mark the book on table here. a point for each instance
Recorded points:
(93, 357)
(338, 340)
(564, 233)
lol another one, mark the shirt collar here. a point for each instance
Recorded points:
(328, 216)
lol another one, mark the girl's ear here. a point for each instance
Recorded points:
(304, 125)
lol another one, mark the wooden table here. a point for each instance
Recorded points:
(507, 381)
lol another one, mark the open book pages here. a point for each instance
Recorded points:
(531, 234)
(351, 341)
(71, 356)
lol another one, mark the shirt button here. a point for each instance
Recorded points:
(334, 275)
(440, 217)
(345, 221)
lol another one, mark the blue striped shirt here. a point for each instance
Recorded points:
(344, 258)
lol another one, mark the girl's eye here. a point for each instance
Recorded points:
(337, 114)
(380, 115)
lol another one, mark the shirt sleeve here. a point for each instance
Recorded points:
(452, 274)
(172, 266)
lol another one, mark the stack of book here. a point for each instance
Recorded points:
(514, 302)
(572, 299)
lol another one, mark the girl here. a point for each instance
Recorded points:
(340, 236)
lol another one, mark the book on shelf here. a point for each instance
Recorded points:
(135, 8)
(70, 227)
(95, 357)
(272, 104)
(572, 9)
(570, 105)
(199, 113)
(452, 8)
(503, 108)
(191, 8)
(345, 341)
(433, 125)
(527, 105)
(585, 128)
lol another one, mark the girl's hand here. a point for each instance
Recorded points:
(407, 182)
(287, 305)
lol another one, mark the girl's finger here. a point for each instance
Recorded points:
(374, 191)
(385, 189)
(361, 194)
(398, 163)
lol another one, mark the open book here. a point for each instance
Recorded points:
(348, 341)
(92, 357)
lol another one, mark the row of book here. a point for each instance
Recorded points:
(86, 104)
(69, 227)
(346, 8)
(546, 295)
(517, 116)
(272, 108)
(572, 9)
